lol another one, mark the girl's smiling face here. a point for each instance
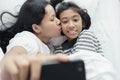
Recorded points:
(71, 23)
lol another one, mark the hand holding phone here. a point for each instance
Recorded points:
(73, 70)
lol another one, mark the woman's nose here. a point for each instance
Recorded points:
(58, 21)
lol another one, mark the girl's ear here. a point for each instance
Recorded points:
(36, 28)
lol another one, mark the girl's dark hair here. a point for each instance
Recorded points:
(55, 2)
(86, 21)
(32, 12)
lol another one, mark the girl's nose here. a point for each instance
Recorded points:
(71, 24)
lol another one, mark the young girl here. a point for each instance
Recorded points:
(75, 23)
(82, 43)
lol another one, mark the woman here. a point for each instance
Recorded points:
(31, 20)
(35, 25)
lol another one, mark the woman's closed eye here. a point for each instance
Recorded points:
(52, 18)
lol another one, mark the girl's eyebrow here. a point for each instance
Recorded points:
(76, 15)
(72, 16)
(64, 18)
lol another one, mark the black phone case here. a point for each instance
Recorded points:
(73, 70)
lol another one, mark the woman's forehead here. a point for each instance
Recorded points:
(49, 10)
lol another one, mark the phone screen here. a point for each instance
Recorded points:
(73, 70)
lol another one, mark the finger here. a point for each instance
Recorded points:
(12, 70)
(23, 65)
(62, 57)
(58, 57)
(35, 70)
(5, 75)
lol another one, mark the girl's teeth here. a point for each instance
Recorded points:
(72, 32)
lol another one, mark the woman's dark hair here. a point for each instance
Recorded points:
(32, 12)
(86, 21)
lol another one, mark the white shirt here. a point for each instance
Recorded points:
(30, 42)
(1, 53)
(97, 67)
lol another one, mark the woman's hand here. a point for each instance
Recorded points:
(35, 63)
(16, 67)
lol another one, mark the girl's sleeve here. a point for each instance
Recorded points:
(87, 41)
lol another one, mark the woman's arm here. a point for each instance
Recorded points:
(16, 64)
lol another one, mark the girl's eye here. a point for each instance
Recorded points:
(64, 22)
(75, 20)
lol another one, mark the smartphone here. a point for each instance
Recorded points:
(73, 70)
